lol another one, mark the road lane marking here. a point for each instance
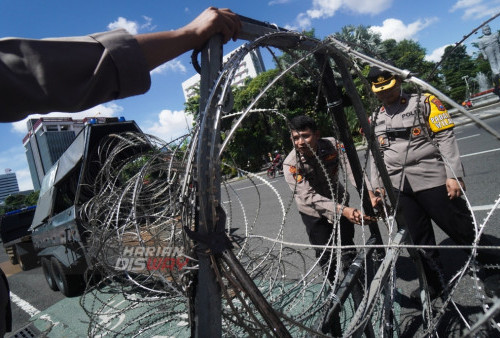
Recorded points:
(249, 187)
(484, 207)
(465, 137)
(256, 185)
(481, 152)
(24, 305)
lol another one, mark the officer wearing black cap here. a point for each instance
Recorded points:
(416, 139)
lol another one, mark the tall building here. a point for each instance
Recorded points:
(251, 66)
(8, 184)
(47, 139)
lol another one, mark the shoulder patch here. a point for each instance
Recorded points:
(295, 173)
(438, 103)
(439, 118)
(298, 177)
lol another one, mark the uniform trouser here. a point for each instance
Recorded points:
(452, 216)
(320, 231)
(5, 310)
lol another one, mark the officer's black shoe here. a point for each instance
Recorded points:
(415, 294)
(492, 286)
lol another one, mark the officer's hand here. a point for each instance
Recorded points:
(453, 187)
(213, 20)
(355, 216)
(377, 197)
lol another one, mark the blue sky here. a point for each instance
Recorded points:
(434, 24)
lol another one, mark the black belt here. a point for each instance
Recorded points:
(399, 132)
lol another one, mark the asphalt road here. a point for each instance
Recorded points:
(264, 207)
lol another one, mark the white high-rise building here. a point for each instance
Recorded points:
(251, 65)
(8, 184)
(48, 138)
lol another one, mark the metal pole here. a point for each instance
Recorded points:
(208, 319)
(334, 98)
(253, 292)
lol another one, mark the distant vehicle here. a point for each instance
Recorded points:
(276, 165)
(57, 230)
(16, 237)
(271, 170)
(467, 104)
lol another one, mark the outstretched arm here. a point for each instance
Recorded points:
(161, 47)
(76, 73)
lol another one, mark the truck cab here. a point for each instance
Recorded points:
(16, 237)
(57, 231)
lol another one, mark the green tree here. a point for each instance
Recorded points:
(192, 105)
(263, 132)
(408, 54)
(457, 65)
(32, 198)
(362, 39)
(18, 201)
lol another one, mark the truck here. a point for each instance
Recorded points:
(16, 237)
(57, 231)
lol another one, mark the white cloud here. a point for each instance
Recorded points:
(461, 4)
(130, 26)
(476, 9)
(24, 179)
(303, 21)
(174, 65)
(15, 159)
(436, 54)
(171, 124)
(371, 7)
(133, 27)
(327, 8)
(397, 30)
(102, 110)
(148, 25)
(479, 12)
(323, 9)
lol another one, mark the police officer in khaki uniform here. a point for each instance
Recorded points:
(311, 171)
(416, 139)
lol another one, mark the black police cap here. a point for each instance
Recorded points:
(381, 79)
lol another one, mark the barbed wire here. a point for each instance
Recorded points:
(144, 266)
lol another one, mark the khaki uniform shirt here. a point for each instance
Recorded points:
(306, 177)
(69, 74)
(404, 136)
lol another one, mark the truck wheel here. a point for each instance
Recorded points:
(49, 276)
(20, 261)
(69, 284)
(92, 277)
(25, 261)
(26, 256)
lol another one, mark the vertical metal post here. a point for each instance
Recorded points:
(403, 233)
(208, 320)
(334, 97)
